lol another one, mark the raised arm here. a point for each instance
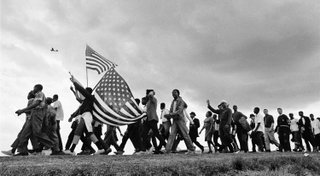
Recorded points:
(80, 88)
(217, 111)
(75, 94)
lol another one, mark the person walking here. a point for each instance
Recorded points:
(193, 131)
(38, 111)
(166, 123)
(306, 131)
(50, 127)
(177, 114)
(59, 117)
(151, 123)
(242, 133)
(225, 115)
(85, 123)
(208, 125)
(269, 130)
(316, 132)
(296, 134)
(257, 132)
(26, 125)
(283, 129)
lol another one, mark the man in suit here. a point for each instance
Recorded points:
(193, 131)
(177, 114)
(306, 131)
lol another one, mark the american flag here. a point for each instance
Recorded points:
(114, 103)
(94, 61)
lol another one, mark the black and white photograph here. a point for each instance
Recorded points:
(146, 87)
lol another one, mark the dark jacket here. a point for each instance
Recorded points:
(87, 104)
(283, 121)
(193, 129)
(152, 109)
(306, 125)
(225, 116)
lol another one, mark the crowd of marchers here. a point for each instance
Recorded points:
(221, 125)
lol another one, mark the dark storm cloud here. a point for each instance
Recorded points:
(264, 58)
(243, 51)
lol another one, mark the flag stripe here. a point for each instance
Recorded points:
(114, 103)
(102, 111)
(100, 118)
(107, 117)
(104, 108)
(92, 57)
(124, 112)
(90, 60)
(108, 109)
(136, 106)
(93, 68)
(104, 60)
(132, 109)
(94, 65)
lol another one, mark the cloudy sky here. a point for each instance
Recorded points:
(250, 53)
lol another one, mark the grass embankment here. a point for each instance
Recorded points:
(173, 164)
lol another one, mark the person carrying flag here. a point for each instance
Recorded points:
(85, 124)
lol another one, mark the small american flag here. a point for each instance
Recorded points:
(114, 103)
(94, 61)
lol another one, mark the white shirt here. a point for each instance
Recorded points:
(164, 112)
(315, 124)
(186, 116)
(294, 125)
(57, 105)
(259, 119)
(216, 126)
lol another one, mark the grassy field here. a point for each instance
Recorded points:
(173, 164)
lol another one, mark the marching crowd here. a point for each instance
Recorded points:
(221, 124)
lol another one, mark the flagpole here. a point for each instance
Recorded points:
(85, 53)
(87, 75)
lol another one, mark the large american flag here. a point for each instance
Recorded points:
(114, 103)
(94, 61)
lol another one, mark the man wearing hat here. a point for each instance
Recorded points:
(225, 115)
(193, 131)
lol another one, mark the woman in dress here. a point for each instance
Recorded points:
(208, 125)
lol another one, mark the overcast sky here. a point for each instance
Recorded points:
(250, 53)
